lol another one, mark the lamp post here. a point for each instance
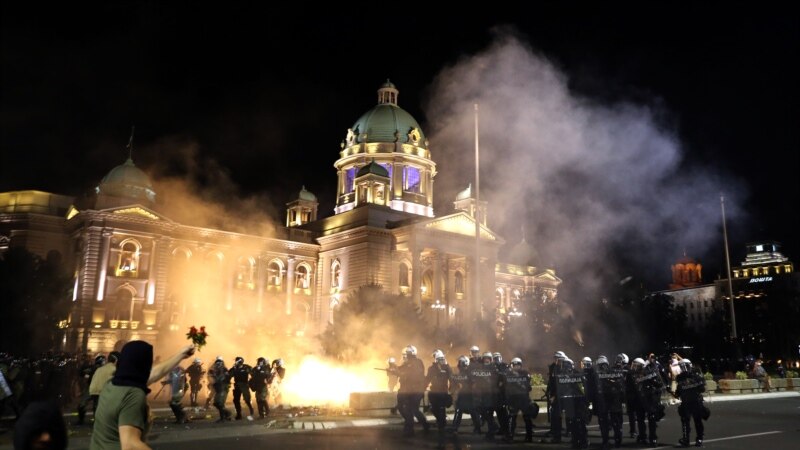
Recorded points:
(438, 306)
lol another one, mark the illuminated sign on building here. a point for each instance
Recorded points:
(760, 279)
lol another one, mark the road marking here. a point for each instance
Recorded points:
(742, 436)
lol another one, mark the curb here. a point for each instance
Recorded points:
(761, 396)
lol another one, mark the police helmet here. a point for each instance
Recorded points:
(239, 360)
(219, 360)
(100, 360)
(197, 361)
(602, 360)
(485, 356)
(497, 357)
(638, 363)
(437, 355)
(261, 360)
(516, 362)
(622, 358)
(475, 350)
(586, 362)
(411, 350)
(463, 361)
(567, 363)
(278, 362)
(391, 361)
(685, 365)
(559, 355)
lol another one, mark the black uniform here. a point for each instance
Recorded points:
(606, 389)
(411, 375)
(554, 405)
(484, 381)
(195, 372)
(241, 376)
(259, 380)
(517, 386)
(631, 398)
(459, 386)
(439, 395)
(570, 389)
(690, 388)
(221, 383)
(649, 386)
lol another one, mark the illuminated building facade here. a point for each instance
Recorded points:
(137, 273)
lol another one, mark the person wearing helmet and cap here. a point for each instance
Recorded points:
(411, 375)
(571, 393)
(259, 383)
(474, 355)
(517, 387)
(240, 374)
(438, 378)
(553, 406)
(649, 387)
(690, 387)
(176, 379)
(459, 384)
(607, 392)
(195, 372)
(622, 362)
(222, 383)
(484, 381)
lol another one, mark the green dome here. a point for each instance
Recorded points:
(373, 168)
(127, 180)
(306, 195)
(386, 123)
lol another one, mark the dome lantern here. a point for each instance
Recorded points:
(387, 94)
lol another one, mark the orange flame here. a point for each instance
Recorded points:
(321, 383)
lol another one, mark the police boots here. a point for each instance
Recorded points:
(684, 441)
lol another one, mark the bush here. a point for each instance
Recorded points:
(791, 374)
(708, 376)
(741, 375)
(537, 379)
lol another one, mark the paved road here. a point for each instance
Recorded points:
(748, 424)
(770, 423)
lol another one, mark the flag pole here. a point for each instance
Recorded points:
(728, 263)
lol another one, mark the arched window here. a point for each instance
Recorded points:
(499, 293)
(245, 273)
(302, 277)
(403, 275)
(275, 273)
(459, 283)
(426, 289)
(336, 275)
(128, 263)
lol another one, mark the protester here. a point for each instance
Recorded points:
(122, 418)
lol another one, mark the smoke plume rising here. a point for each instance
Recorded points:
(590, 183)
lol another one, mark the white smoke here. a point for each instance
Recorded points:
(584, 178)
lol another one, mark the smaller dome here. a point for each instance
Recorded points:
(465, 194)
(127, 180)
(388, 84)
(306, 195)
(373, 168)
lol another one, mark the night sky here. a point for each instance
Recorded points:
(268, 94)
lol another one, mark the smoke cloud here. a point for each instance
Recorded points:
(583, 178)
(589, 184)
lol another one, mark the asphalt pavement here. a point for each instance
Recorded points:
(764, 421)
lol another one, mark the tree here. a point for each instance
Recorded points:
(34, 298)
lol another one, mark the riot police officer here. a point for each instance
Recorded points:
(259, 380)
(391, 374)
(606, 389)
(649, 386)
(517, 386)
(570, 389)
(195, 372)
(221, 382)
(411, 375)
(474, 355)
(690, 388)
(240, 373)
(439, 374)
(631, 399)
(459, 384)
(554, 406)
(485, 387)
(176, 379)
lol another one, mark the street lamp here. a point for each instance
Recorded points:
(438, 306)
